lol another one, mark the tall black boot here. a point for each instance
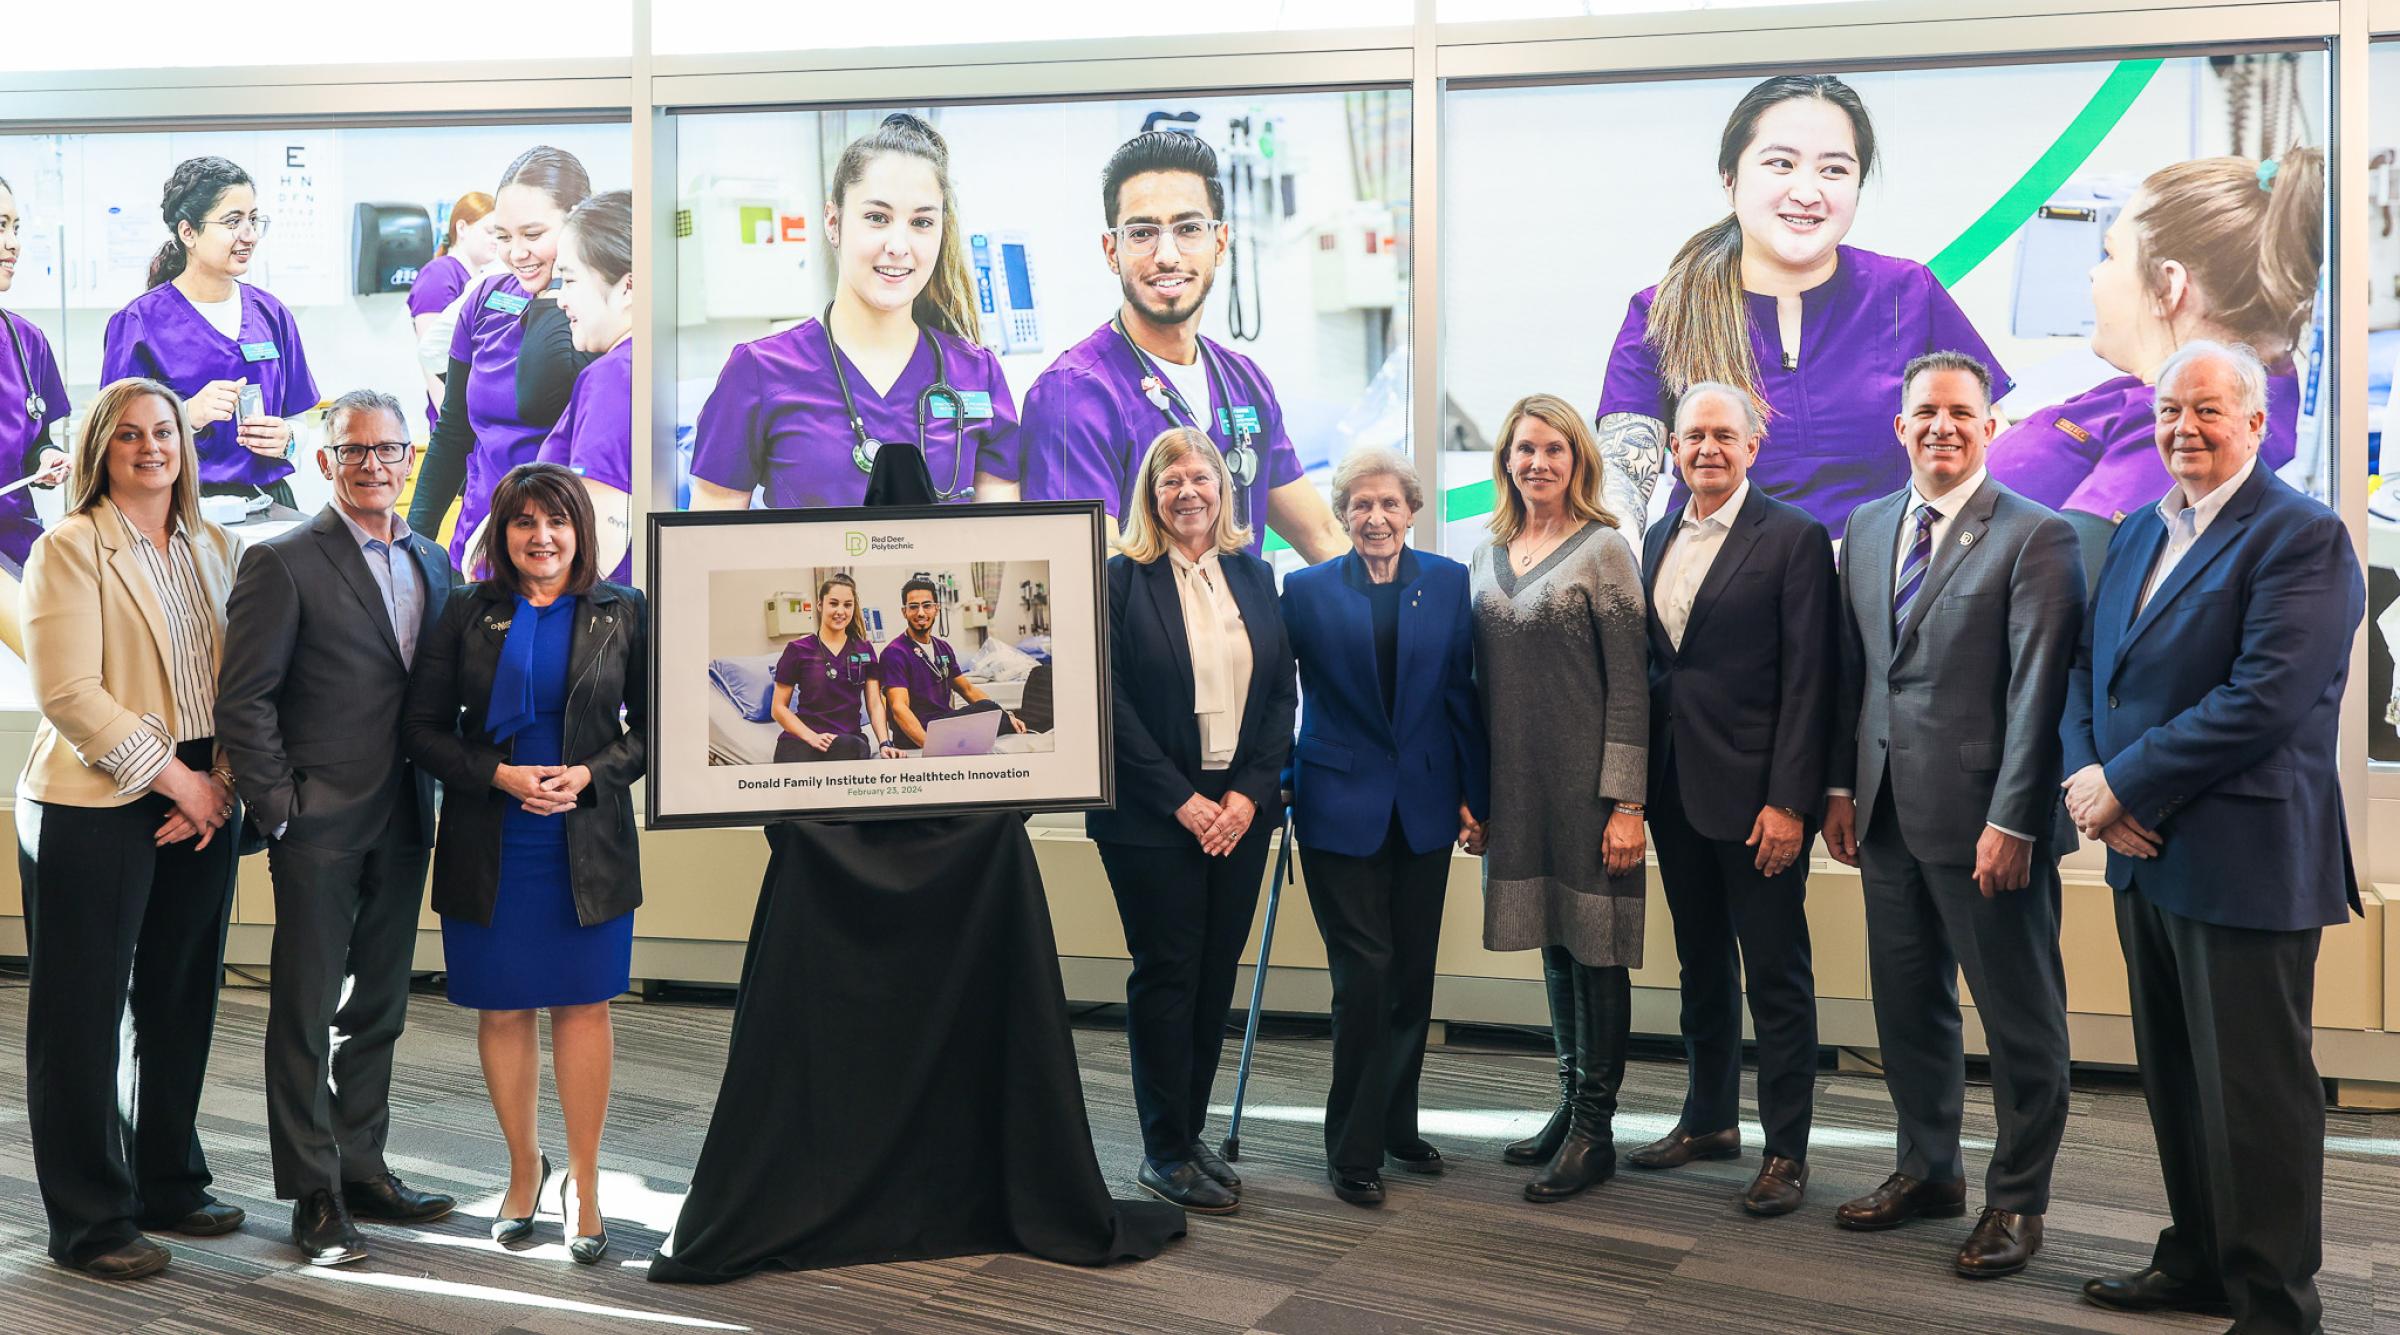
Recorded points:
(1603, 1024)
(1558, 979)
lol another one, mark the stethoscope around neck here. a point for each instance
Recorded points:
(36, 407)
(1241, 462)
(866, 447)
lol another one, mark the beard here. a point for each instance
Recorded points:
(1136, 292)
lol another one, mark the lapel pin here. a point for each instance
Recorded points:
(1966, 539)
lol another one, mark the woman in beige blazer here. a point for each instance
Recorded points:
(123, 825)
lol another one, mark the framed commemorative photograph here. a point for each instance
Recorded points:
(861, 664)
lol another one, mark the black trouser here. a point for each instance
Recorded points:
(1381, 917)
(1733, 922)
(117, 924)
(1187, 916)
(846, 746)
(279, 491)
(345, 931)
(1926, 924)
(2221, 1025)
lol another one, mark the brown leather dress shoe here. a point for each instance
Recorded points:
(1679, 1147)
(135, 1260)
(1900, 1199)
(2002, 1243)
(1778, 1187)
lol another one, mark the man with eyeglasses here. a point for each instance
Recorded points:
(321, 628)
(922, 674)
(1089, 419)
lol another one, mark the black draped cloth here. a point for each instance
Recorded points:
(902, 1082)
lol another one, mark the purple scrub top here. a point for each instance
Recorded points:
(833, 686)
(438, 284)
(19, 525)
(490, 330)
(775, 418)
(903, 665)
(2098, 452)
(1088, 424)
(1829, 446)
(158, 334)
(594, 436)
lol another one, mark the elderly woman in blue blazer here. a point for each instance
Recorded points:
(1203, 702)
(1389, 766)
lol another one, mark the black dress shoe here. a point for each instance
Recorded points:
(515, 1230)
(322, 1230)
(135, 1260)
(213, 1220)
(2003, 1243)
(388, 1200)
(1357, 1188)
(1900, 1199)
(1778, 1188)
(1208, 1162)
(1184, 1184)
(2154, 1290)
(1679, 1147)
(1417, 1156)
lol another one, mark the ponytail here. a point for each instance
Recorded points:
(948, 301)
(2252, 236)
(2291, 244)
(191, 194)
(471, 208)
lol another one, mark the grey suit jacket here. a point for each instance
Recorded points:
(1960, 715)
(309, 697)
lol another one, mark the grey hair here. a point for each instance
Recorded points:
(1700, 389)
(365, 401)
(2247, 368)
(1359, 465)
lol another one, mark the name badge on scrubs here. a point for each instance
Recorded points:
(260, 352)
(978, 403)
(1243, 419)
(507, 303)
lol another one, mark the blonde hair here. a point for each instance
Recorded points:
(1145, 538)
(1583, 490)
(2251, 234)
(87, 478)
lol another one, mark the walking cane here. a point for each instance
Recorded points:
(1232, 1149)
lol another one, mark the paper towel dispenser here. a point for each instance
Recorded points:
(389, 245)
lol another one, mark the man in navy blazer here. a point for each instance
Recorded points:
(2200, 736)
(1389, 767)
(1741, 595)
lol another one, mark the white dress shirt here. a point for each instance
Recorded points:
(1212, 623)
(1688, 559)
(2185, 524)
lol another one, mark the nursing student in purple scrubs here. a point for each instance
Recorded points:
(32, 397)
(2223, 248)
(512, 358)
(1090, 417)
(467, 246)
(1767, 299)
(922, 679)
(802, 413)
(828, 693)
(207, 335)
(594, 437)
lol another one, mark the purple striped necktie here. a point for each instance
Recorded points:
(1912, 574)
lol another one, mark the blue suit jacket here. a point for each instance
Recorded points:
(1353, 766)
(2215, 710)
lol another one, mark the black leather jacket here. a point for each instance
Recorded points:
(442, 727)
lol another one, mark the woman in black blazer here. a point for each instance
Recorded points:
(1204, 698)
(528, 701)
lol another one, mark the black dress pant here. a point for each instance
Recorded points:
(119, 926)
(1187, 916)
(1381, 917)
(1732, 921)
(1927, 924)
(2221, 1025)
(345, 931)
(846, 746)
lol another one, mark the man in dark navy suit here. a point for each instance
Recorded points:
(2200, 737)
(1740, 589)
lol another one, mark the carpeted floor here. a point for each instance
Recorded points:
(1463, 1252)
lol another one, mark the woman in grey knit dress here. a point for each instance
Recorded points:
(1563, 665)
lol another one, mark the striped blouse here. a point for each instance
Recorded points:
(195, 626)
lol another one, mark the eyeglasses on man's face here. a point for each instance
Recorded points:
(355, 456)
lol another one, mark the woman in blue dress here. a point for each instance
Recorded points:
(528, 702)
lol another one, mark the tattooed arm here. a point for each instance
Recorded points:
(1633, 448)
